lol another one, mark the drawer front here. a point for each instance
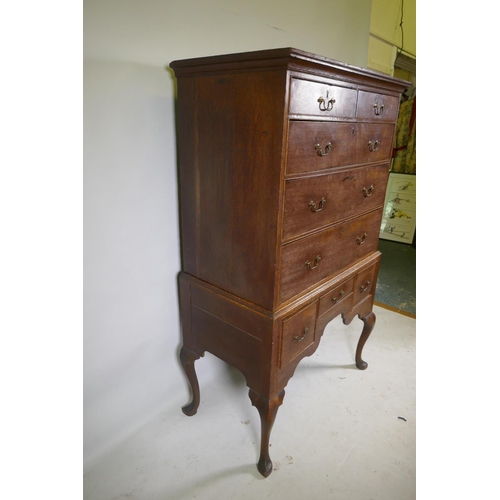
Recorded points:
(321, 100)
(365, 284)
(315, 146)
(377, 107)
(373, 142)
(314, 202)
(338, 297)
(297, 333)
(312, 259)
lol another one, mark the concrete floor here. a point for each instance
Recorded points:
(337, 435)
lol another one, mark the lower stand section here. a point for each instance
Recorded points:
(267, 347)
(267, 411)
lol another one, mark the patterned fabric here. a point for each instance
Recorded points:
(405, 152)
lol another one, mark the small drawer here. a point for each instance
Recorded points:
(338, 297)
(373, 142)
(317, 99)
(314, 146)
(365, 283)
(315, 202)
(377, 107)
(297, 333)
(307, 261)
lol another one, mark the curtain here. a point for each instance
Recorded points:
(404, 152)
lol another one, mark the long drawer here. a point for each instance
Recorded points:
(314, 146)
(314, 202)
(310, 260)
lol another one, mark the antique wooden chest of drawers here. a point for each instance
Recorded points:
(283, 164)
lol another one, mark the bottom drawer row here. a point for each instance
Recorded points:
(299, 330)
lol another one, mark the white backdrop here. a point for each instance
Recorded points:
(131, 228)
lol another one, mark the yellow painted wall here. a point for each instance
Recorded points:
(385, 33)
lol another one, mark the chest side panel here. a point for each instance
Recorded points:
(232, 201)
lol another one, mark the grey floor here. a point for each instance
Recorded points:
(341, 433)
(396, 285)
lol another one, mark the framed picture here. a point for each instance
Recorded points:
(399, 217)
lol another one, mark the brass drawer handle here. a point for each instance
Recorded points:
(337, 299)
(368, 192)
(304, 331)
(373, 146)
(361, 239)
(364, 287)
(378, 109)
(314, 207)
(316, 263)
(319, 150)
(327, 107)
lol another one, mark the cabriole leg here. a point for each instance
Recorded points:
(188, 358)
(267, 411)
(369, 323)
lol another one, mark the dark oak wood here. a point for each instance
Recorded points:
(337, 101)
(297, 333)
(369, 322)
(267, 412)
(188, 358)
(303, 137)
(316, 146)
(336, 196)
(266, 264)
(379, 107)
(341, 295)
(373, 142)
(336, 247)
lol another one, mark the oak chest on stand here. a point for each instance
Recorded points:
(284, 158)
